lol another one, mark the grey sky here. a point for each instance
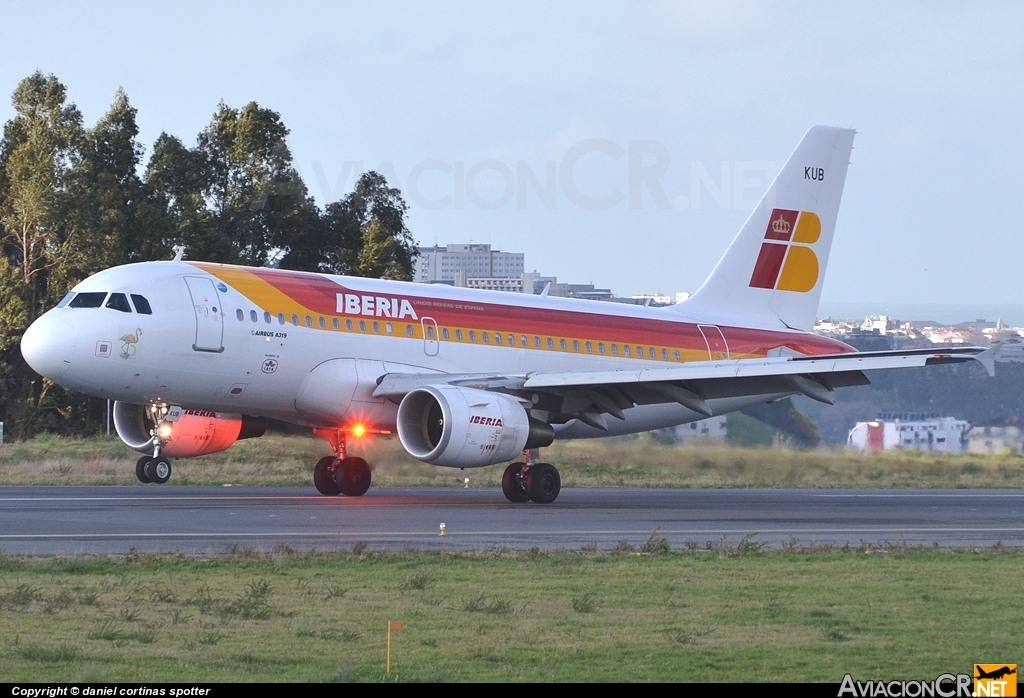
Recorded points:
(931, 212)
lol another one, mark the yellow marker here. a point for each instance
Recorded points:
(442, 530)
(395, 625)
(467, 483)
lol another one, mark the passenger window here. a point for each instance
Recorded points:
(280, 318)
(119, 301)
(335, 323)
(497, 337)
(615, 350)
(523, 341)
(141, 305)
(348, 324)
(309, 321)
(551, 343)
(625, 349)
(239, 314)
(388, 328)
(445, 333)
(639, 352)
(362, 325)
(575, 345)
(536, 342)
(323, 323)
(600, 347)
(252, 315)
(664, 354)
(590, 348)
(511, 340)
(88, 300)
(458, 335)
(376, 327)
(650, 352)
(472, 336)
(430, 331)
(485, 338)
(408, 330)
(561, 344)
(677, 355)
(266, 317)
(295, 319)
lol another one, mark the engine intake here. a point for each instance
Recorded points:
(194, 433)
(467, 428)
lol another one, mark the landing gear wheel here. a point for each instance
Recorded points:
(512, 484)
(140, 469)
(323, 476)
(543, 483)
(352, 477)
(158, 470)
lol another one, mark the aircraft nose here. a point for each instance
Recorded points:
(47, 346)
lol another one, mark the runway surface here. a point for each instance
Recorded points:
(62, 520)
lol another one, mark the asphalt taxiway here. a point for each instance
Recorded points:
(65, 520)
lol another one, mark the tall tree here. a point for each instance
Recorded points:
(363, 234)
(40, 149)
(256, 195)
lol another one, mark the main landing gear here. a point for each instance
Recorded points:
(153, 469)
(531, 481)
(338, 474)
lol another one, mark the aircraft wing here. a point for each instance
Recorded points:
(588, 395)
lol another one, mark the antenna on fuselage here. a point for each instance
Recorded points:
(179, 253)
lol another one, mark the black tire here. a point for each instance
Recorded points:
(158, 470)
(140, 469)
(512, 485)
(543, 483)
(323, 476)
(353, 477)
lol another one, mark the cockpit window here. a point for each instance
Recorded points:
(141, 305)
(92, 299)
(118, 301)
(66, 299)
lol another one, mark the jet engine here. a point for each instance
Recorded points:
(467, 428)
(185, 433)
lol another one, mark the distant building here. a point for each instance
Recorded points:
(440, 264)
(712, 428)
(910, 432)
(995, 439)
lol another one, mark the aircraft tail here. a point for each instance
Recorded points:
(772, 273)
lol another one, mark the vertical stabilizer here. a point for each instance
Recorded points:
(773, 271)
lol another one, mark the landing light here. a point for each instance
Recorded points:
(358, 431)
(164, 430)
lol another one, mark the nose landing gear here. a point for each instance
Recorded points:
(338, 474)
(155, 468)
(531, 481)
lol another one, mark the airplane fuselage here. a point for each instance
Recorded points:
(250, 340)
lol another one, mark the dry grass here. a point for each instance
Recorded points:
(277, 460)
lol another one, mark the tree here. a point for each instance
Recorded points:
(364, 234)
(258, 200)
(40, 149)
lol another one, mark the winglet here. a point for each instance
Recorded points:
(987, 358)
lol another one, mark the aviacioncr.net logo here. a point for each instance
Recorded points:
(786, 262)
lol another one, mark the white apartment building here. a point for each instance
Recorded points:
(475, 261)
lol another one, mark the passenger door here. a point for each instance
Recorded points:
(206, 303)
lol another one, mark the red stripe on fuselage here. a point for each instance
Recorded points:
(319, 294)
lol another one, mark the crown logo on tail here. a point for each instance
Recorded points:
(781, 226)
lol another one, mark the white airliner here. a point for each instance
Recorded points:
(198, 355)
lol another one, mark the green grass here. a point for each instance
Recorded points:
(736, 613)
(277, 460)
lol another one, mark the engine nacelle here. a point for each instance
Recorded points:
(193, 433)
(465, 427)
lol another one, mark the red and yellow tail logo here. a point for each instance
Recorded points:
(784, 251)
